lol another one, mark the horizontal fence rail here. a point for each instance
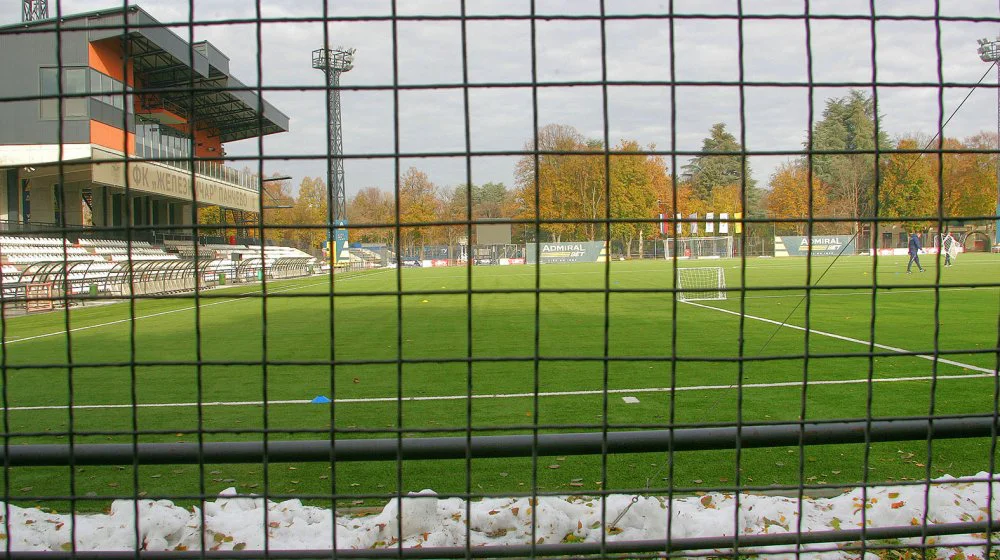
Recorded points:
(426, 448)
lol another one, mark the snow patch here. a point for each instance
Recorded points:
(235, 522)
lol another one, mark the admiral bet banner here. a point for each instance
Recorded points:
(569, 252)
(822, 245)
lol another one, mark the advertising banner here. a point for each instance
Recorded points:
(569, 252)
(724, 222)
(822, 245)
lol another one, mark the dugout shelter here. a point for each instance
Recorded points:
(130, 89)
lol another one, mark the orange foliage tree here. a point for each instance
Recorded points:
(788, 197)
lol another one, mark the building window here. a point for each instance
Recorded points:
(107, 90)
(74, 81)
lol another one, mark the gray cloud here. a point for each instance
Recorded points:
(430, 52)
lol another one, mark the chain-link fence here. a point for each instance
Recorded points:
(416, 394)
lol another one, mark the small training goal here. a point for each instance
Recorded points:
(698, 247)
(701, 283)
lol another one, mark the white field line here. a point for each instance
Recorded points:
(514, 395)
(236, 298)
(847, 338)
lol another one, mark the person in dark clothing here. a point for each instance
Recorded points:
(914, 248)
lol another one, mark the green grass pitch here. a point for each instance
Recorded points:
(641, 324)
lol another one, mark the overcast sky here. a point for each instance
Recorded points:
(499, 52)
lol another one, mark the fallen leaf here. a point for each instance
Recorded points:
(897, 505)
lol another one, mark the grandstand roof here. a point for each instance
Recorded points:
(192, 79)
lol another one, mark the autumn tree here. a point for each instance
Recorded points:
(570, 183)
(969, 176)
(372, 206)
(632, 193)
(789, 197)
(310, 208)
(418, 203)
(909, 184)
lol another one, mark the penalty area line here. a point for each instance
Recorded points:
(364, 400)
(848, 339)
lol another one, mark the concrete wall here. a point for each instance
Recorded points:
(23, 55)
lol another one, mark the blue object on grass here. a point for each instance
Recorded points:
(320, 400)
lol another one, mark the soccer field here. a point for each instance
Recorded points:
(565, 358)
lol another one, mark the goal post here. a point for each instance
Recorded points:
(701, 283)
(948, 244)
(698, 247)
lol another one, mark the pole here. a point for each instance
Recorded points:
(996, 226)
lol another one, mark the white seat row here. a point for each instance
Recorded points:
(112, 243)
(46, 241)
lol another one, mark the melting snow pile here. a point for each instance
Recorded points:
(233, 523)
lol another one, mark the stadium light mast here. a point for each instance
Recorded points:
(989, 51)
(32, 10)
(334, 62)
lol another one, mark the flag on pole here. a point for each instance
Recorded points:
(723, 222)
(694, 223)
(678, 224)
(663, 224)
(738, 221)
(710, 222)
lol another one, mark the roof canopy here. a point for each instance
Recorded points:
(189, 80)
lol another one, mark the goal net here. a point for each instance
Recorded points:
(699, 247)
(948, 244)
(701, 283)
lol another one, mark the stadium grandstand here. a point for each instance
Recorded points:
(130, 146)
(117, 268)
(125, 81)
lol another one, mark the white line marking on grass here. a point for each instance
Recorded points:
(364, 400)
(236, 298)
(846, 338)
(867, 294)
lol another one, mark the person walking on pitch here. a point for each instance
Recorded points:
(948, 245)
(913, 249)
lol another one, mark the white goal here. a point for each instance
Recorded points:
(701, 283)
(699, 247)
(948, 244)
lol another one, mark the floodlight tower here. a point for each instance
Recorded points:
(989, 51)
(32, 10)
(334, 62)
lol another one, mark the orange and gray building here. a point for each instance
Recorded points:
(139, 136)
